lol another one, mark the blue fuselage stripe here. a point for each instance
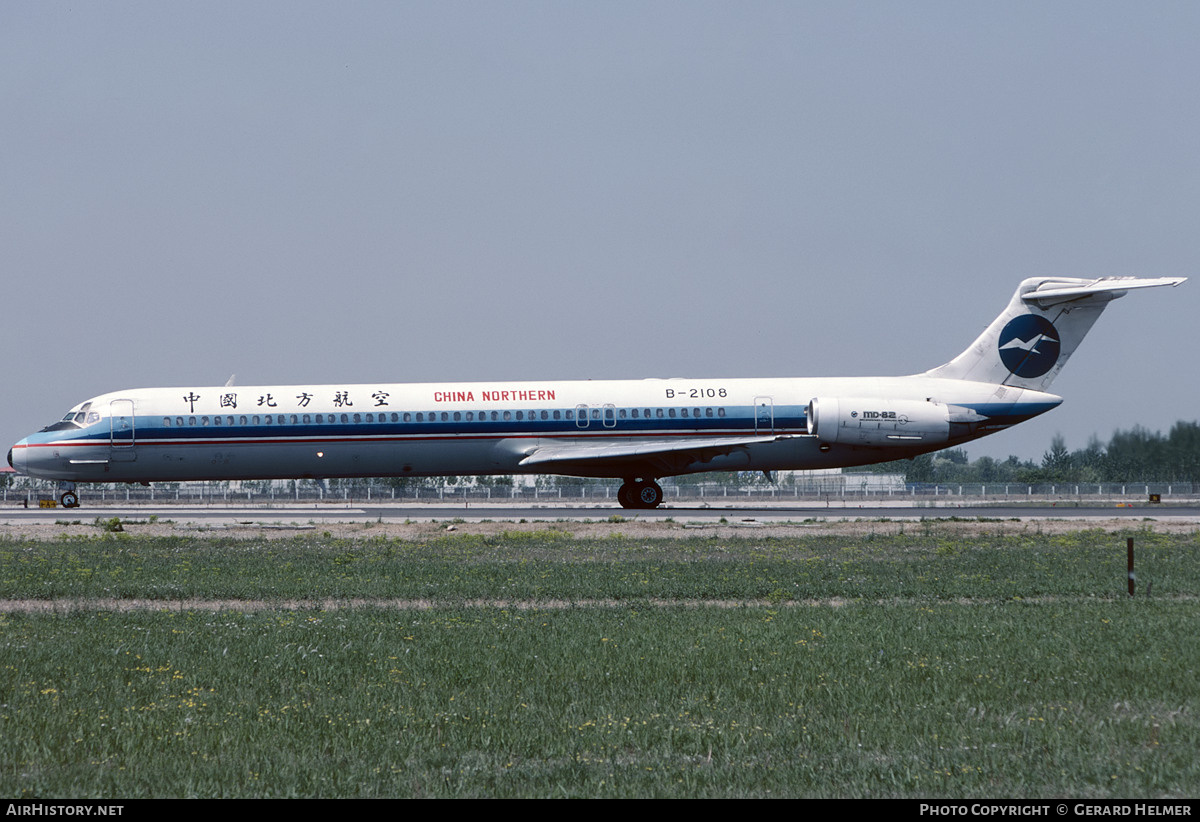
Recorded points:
(150, 429)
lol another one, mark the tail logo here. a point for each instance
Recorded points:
(1029, 345)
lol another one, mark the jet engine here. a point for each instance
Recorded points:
(887, 423)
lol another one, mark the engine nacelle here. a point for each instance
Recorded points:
(885, 423)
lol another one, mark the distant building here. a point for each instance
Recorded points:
(835, 481)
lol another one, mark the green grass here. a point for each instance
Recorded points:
(919, 665)
(929, 564)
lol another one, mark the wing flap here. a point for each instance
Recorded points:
(593, 455)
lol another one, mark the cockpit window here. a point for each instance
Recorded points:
(75, 419)
(65, 423)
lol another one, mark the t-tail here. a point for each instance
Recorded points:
(1031, 341)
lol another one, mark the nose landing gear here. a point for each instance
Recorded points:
(68, 498)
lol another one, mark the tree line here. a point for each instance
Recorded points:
(1133, 455)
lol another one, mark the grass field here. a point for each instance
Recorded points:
(929, 663)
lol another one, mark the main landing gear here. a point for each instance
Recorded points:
(635, 493)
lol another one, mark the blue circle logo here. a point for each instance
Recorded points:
(1029, 345)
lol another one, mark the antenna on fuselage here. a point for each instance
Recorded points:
(229, 381)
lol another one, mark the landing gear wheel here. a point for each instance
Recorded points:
(645, 495)
(625, 495)
(648, 494)
(69, 499)
(639, 494)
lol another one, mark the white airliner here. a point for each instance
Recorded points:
(634, 430)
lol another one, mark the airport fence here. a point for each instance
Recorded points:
(364, 493)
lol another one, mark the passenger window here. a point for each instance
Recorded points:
(457, 416)
(217, 420)
(508, 415)
(408, 416)
(557, 414)
(167, 422)
(720, 412)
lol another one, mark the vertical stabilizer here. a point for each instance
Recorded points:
(1047, 318)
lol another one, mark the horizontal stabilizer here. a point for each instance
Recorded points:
(1052, 292)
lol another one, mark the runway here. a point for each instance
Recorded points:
(412, 512)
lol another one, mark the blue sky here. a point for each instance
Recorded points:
(303, 192)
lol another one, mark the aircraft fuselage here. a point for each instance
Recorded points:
(590, 428)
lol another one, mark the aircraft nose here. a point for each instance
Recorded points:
(16, 457)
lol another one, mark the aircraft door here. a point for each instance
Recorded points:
(122, 431)
(605, 415)
(764, 415)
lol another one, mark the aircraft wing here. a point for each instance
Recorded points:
(655, 456)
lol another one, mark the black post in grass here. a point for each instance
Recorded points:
(1129, 551)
